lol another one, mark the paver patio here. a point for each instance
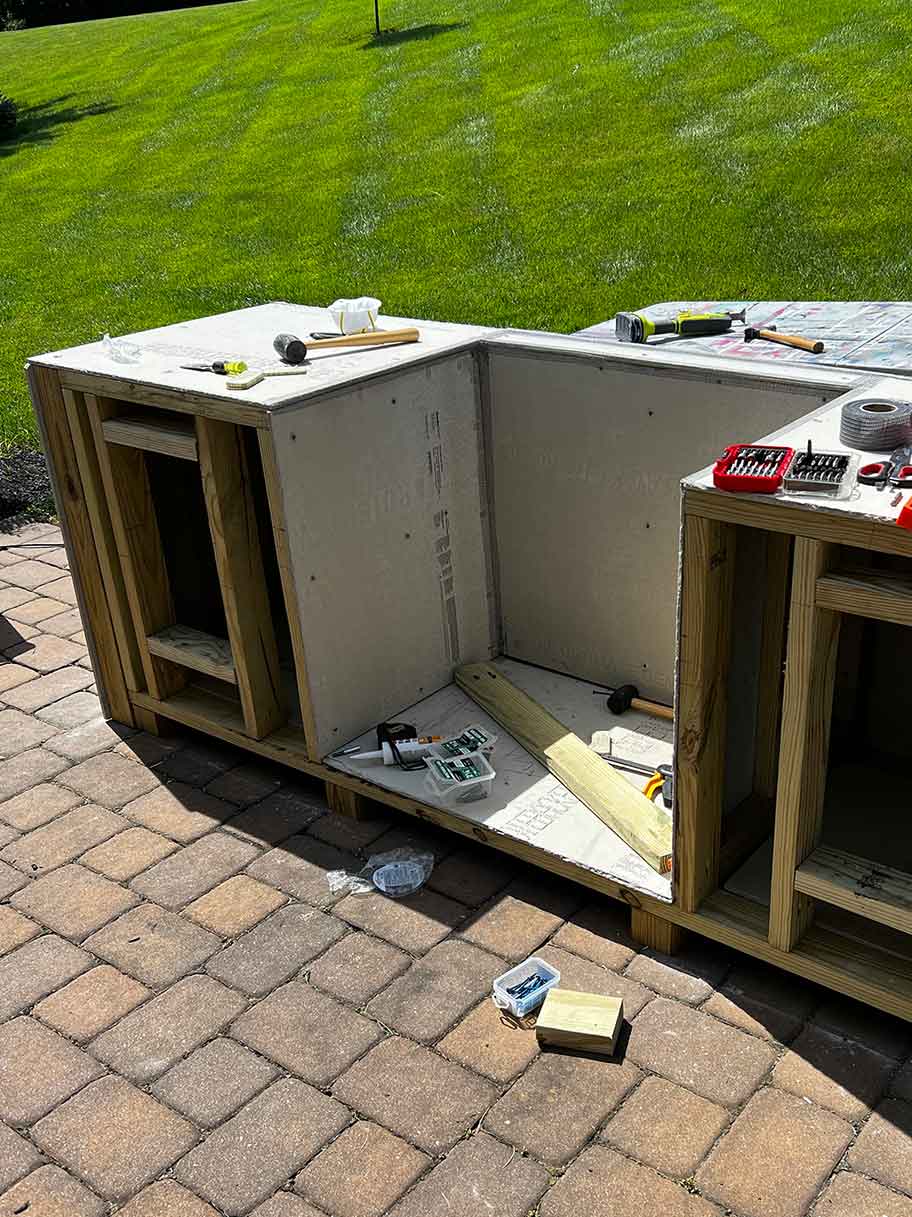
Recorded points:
(191, 1025)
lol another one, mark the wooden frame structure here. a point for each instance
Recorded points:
(100, 430)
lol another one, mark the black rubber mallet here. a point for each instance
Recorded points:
(627, 697)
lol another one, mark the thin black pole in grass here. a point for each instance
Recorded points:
(377, 16)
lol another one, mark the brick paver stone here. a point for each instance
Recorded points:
(61, 840)
(602, 1182)
(276, 818)
(558, 1103)
(40, 608)
(348, 834)
(201, 762)
(110, 779)
(299, 868)
(60, 589)
(292, 1027)
(753, 1016)
(17, 1157)
(856, 1021)
(666, 1127)
(12, 675)
(690, 977)
(71, 711)
(600, 932)
(585, 976)
(166, 1199)
(179, 811)
(213, 1082)
(37, 805)
(44, 690)
(850, 1195)
(68, 624)
(91, 1003)
(51, 1192)
(128, 853)
(275, 949)
(20, 731)
(436, 991)
(194, 869)
(386, 1166)
(38, 1070)
(10, 880)
(245, 784)
(415, 1093)
(285, 1204)
(7, 834)
(235, 905)
(884, 1146)
(12, 597)
(36, 969)
(246, 1159)
(151, 1039)
(471, 876)
(414, 924)
(491, 1043)
(153, 945)
(477, 1178)
(28, 769)
(836, 1073)
(511, 928)
(46, 653)
(115, 1137)
(698, 1052)
(357, 967)
(30, 573)
(87, 740)
(74, 901)
(15, 929)
(746, 1171)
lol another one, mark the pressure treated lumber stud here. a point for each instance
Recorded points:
(348, 802)
(635, 819)
(194, 649)
(585, 1022)
(810, 671)
(170, 437)
(239, 561)
(707, 590)
(655, 932)
(771, 663)
(879, 594)
(865, 888)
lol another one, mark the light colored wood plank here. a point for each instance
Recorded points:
(636, 820)
(586, 1022)
(194, 649)
(289, 591)
(810, 671)
(348, 803)
(772, 663)
(655, 931)
(180, 400)
(704, 653)
(236, 541)
(76, 519)
(139, 548)
(169, 436)
(868, 889)
(883, 595)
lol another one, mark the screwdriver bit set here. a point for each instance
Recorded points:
(752, 468)
(826, 473)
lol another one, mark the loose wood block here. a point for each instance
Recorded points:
(588, 1022)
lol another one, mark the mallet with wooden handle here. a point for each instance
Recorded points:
(771, 334)
(295, 352)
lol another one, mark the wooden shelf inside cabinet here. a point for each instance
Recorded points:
(882, 595)
(195, 649)
(170, 437)
(865, 888)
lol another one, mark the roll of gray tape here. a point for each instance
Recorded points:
(876, 424)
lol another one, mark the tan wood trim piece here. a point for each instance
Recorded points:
(289, 590)
(142, 561)
(181, 400)
(654, 932)
(194, 649)
(78, 525)
(171, 437)
(704, 654)
(635, 819)
(772, 663)
(347, 802)
(880, 594)
(880, 893)
(236, 542)
(819, 525)
(810, 670)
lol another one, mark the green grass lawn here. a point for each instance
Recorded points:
(533, 162)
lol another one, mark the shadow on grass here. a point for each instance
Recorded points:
(416, 33)
(37, 124)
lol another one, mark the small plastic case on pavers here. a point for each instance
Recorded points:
(473, 738)
(521, 1003)
(459, 779)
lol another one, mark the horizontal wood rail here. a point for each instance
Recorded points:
(883, 595)
(866, 888)
(170, 437)
(194, 649)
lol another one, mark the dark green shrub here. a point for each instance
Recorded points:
(9, 114)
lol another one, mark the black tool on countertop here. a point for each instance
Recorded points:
(895, 471)
(817, 472)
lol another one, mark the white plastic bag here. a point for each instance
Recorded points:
(396, 873)
(356, 316)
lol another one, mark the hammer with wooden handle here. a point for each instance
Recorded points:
(787, 340)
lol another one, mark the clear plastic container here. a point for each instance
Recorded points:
(521, 1006)
(460, 779)
(473, 738)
